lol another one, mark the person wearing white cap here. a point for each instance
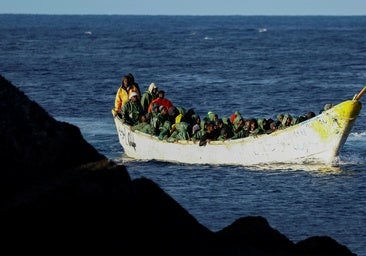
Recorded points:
(132, 110)
(149, 95)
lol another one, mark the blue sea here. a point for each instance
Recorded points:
(257, 65)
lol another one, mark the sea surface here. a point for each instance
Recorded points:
(257, 65)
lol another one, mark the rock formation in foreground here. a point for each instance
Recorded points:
(59, 195)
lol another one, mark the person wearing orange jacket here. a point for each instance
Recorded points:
(161, 101)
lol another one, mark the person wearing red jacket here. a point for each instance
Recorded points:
(161, 101)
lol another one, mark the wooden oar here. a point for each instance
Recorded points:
(359, 95)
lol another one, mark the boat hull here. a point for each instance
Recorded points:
(317, 140)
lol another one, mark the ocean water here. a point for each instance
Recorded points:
(257, 65)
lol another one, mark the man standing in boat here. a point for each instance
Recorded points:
(123, 94)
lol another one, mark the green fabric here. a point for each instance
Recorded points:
(295, 120)
(146, 99)
(211, 116)
(180, 132)
(240, 134)
(164, 131)
(198, 135)
(181, 110)
(143, 127)
(260, 122)
(131, 112)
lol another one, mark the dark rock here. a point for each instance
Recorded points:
(321, 246)
(59, 195)
(255, 234)
(33, 143)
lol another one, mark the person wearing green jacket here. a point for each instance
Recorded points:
(149, 95)
(132, 110)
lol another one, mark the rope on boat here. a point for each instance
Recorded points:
(359, 95)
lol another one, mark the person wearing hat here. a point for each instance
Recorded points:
(149, 95)
(132, 110)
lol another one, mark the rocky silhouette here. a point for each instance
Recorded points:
(59, 195)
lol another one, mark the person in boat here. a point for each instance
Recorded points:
(132, 110)
(223, 135)
(263, 124)
(149, 95)
(133, 89)
(247, 125)
(196, 125)
(163, 125)
(227, 122)
(286, 121)
(153, 118)
(180, 132)
(165, 131)
(310, 114)
(225, 132)
(133, 83)
(272, 127)
(295, 120)
(254, 128)
(189, 118)
(212, 116)
(209, 135)
(306, 116)
(326, 107)
(123, 93)
(239, 128)
(160, 123)
(121, 96)
(198, 134)
(175, 114)
(161, 100)
(237, 120)
(279, 119)
(143, 125)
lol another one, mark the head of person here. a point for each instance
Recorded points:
(280, 117)
(287, 118)
(153, 88)
(253, 124)
(273, 126)
(125, 81)
(327, 106)
(163, 110)
(133, 96)
(210, 126)
(161, 94)
(155, 107)
(143, 118)
(310, 114)
(131, 77)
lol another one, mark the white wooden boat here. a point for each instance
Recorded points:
(318, 140)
